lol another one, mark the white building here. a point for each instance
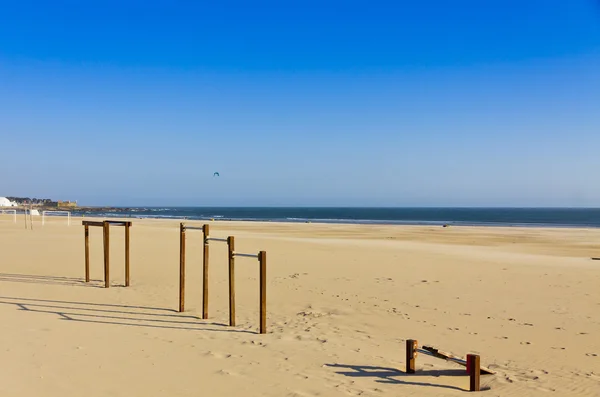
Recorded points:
(4, 202)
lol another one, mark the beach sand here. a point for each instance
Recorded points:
(342, 300)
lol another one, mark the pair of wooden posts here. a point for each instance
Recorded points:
(262, 259)
(472, 363)
(106, 242)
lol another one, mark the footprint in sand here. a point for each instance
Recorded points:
(218, 355)
(591, 354)
(526, 343)
(225, 372)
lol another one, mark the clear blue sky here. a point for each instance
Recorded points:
(397, 103)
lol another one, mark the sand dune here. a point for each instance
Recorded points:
(342, 299)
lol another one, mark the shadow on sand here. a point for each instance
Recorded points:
(395, 376)
(47, 280)
(129, 316)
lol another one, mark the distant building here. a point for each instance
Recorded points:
(66, 204)
(4, 202)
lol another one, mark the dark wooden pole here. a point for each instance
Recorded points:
(231, 246)
(411, 354)
(262, 258)
(181, 267)
(205, 252)
(106, 234)
(127, 224)
(87, 253)
(473, 362)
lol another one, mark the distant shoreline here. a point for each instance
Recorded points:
(435, 217)
(491, 217)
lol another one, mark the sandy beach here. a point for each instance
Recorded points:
(342, 300)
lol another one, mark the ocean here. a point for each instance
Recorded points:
(541, 217)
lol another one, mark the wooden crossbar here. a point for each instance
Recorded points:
(119, 223)
(433, 352)
(255, 256)
(101, 223)
(92, 223)
(221, 240)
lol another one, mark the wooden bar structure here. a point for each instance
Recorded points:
(231, 254)
(181, 267)
(262, 259)
(231, 250)
(106, 234)
(472, 362)
(106, 248)
(205, 257)
(127, 255)
(87, 253)
(411, 355)
(473, 365)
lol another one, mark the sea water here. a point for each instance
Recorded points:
(553, 217)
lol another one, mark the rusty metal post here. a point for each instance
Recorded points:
(231, 246)
(411, 355)
(181, 267)
(474, 363)
(205, 257)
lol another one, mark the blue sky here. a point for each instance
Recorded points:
(335, 103)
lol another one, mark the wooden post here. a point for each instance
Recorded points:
(262, 258)
(411, 354)
(87, 254)
(181, 267)
(127, 224)
(231, 246)
(205, 252)
(473, 363)
(106, 235)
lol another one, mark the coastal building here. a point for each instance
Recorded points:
(66, 204)
(4, 202)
